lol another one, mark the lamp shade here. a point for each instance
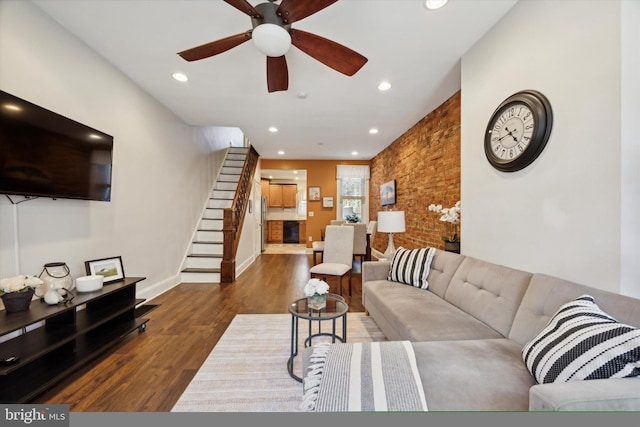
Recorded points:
(391, 222)
(271, 39)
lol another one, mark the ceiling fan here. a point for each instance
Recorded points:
(273, 35)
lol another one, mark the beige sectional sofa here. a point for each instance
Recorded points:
(469, 327)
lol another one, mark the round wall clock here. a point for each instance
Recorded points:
(518, 131)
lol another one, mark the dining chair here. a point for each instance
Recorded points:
(359, 239)
(337, 257)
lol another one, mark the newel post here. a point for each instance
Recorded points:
(228, 265)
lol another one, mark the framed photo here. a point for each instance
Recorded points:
(110, 268)
(388, 193)
(314, 193)
(327, 202)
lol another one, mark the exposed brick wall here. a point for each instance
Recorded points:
(425, 162)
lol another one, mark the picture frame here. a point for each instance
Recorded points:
(314, 194)
(388, 193)
(327, 202)
(110, 268)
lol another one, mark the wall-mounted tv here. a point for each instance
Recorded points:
(44, 154)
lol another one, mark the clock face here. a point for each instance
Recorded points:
(518, 131)
(512, 131)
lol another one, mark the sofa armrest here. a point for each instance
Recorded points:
(375, 270)
(619, 394)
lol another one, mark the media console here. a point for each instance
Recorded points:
(68, 337)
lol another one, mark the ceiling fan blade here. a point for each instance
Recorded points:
(213, 48)
(330, 53)
(295, 10)
(277, 74)
(245, 7)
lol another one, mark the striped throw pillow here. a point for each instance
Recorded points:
(582, 342)
(411, 266)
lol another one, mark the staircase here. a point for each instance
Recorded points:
(202, 264)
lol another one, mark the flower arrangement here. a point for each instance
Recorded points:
(316, 291)
(20, 283)
(316, 287)
(452, 217)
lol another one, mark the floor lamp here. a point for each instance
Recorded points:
(391, 222)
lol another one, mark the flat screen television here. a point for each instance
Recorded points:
(44, 154)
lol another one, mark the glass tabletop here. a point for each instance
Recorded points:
(336, 307)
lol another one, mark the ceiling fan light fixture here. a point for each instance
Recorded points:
(271, 39)
(434, 4)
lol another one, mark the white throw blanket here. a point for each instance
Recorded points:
(376, 376)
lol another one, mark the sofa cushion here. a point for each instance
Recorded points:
(582, 342)
(489, 292)
(546, 294)
(411, 266)
(407, 313)
(473, 375)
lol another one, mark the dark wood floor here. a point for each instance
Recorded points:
(149, 370)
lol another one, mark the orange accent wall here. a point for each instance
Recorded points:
(320, 173)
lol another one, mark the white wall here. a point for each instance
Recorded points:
(162, 173)
(560, 215)
(630, 211)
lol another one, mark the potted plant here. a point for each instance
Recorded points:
(451, 216)
(17, 292)
(353, 218)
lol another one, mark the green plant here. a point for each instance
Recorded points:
(352, 218)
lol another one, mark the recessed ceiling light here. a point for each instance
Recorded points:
(273, 129)
(181, 77)
(383, 86)
(281, 152)
(354, 153)
(373, 131)
(434, 4)
(295, 172)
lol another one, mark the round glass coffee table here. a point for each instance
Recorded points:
(335, 309)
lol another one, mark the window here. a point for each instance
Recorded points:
(353, 192)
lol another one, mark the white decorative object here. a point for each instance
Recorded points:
(89, 283)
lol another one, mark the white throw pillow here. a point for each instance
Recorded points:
(411, 266)
(582, 342)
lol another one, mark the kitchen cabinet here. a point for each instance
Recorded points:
(275, 231)
(282, 195)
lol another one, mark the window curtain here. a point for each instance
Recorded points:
(353, 171)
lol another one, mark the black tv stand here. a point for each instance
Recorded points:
(69, 337)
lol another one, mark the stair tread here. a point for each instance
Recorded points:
(204, 255)
(208, 242)
(200, 270)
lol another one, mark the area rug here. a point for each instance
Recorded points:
(247, 369)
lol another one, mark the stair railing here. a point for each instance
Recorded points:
(234, 218)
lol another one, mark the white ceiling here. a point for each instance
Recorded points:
(417, 50)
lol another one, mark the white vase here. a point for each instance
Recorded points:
(317, 302)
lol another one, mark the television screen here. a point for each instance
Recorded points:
(45, 154)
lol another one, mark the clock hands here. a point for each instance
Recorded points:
(509, 133)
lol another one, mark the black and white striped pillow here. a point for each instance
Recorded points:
(411, 266)
(582, 342)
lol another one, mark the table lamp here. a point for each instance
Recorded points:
(391, 222)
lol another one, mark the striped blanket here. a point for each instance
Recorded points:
(375, 376)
